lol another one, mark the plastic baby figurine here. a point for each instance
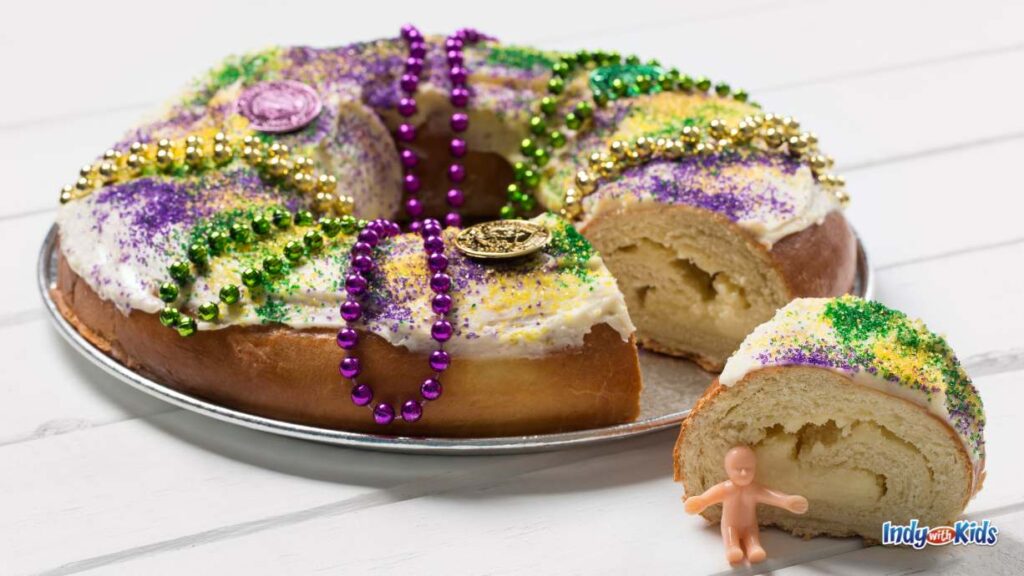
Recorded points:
(740, 496)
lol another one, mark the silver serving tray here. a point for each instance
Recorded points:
(671, 386)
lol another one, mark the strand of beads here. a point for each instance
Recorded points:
(611, 78)
(194, 155)
(631, 78)
(769, 133)
(459, 98)
(258, 230)
(406, 135)
(546, 132)
(356, 286)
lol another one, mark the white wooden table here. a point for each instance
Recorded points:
(919, 100)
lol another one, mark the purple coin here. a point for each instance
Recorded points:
(279, 106)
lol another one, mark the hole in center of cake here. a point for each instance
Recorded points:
(487, 172)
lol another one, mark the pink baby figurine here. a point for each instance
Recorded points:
(740, 496)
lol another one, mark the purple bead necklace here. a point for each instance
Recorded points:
(356, 285)
(458, 75)
(361, 261)
(406, 135)
(459, 97)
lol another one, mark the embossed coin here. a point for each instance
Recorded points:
(502, 239)
(279, 106)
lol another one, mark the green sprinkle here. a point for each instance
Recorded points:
(521, 58)
(571, 249)
(247, 69)
(623, 79)
(272, 310)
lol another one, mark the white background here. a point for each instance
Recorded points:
(920, 102)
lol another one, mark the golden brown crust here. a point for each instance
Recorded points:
(707, 364)
(712, 392)
(819, 261)
(292, 375)
(715, 389)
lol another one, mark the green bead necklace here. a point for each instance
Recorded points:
(611, 78)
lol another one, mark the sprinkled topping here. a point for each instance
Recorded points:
(199, 204)
(875, 345)
(572, 250)
(625, 79)
(245, 69)
(740, 186)
(518, 57)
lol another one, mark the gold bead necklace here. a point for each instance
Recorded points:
(195, 155)
(768, 133)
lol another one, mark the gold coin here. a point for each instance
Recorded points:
(502, 239)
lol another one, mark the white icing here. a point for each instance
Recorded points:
(490, 323)
(745, 360)
(807, 202)
(109, 266)
(811, 204)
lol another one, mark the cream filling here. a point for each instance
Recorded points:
(128, 275)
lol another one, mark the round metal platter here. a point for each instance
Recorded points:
(671, 387)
